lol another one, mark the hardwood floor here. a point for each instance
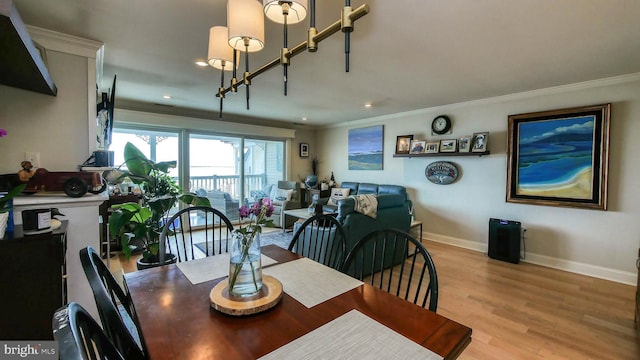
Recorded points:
(526, 311)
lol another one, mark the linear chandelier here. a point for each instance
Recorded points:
(245, 33)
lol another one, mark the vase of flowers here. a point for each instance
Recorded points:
(245, 266)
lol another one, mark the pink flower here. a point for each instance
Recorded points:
(3, 132)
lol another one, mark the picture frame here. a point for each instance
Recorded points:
(432, 148)
(464, 143)
(448, 145)
(304, 150)
(403, 144)
(480, 141)
(418, 146)
(366, 148)
(559, 157)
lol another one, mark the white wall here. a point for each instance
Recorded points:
(57, 127)
(598, 243)
(45, 124)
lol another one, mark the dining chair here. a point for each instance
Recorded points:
(79, 336)
(195, 232)
(115, 307)
(320, 238)
(372, 260)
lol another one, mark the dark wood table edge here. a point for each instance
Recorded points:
(275, 252)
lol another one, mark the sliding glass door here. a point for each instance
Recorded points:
(225, 169)
(214, 171)
(263, 164)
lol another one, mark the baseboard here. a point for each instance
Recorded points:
(600, 272)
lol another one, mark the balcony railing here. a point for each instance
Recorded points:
(228, 183)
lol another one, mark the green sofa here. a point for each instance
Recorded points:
(392, 214)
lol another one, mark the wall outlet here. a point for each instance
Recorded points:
(34, 157)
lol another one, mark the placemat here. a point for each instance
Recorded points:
(211, 267)
(310, 282)
(352, 336)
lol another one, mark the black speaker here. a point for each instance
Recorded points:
(504, 240)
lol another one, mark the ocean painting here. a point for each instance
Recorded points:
(556, 158)
(365, 148)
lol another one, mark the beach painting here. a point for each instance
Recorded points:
(365, 148)
(557, 159)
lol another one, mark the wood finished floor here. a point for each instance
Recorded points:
(526, 311)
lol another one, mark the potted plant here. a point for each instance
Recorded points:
(141, 224)
(5, 207)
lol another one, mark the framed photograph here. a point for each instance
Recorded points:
(403, 143)
(479, 143)
(366, 148)
(464, 143)
(448, 145)
(417, 146)
(304, 150)
(432, 147)
(559, 157)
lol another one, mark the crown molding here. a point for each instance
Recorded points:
(52, 40)
(591, 84)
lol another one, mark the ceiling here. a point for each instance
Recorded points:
(405, 54)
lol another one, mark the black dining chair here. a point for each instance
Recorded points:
(320, 238)
(79, 336)
(373, 259)
(115, 307)
(195, 232)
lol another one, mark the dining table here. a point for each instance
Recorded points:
(177, 320)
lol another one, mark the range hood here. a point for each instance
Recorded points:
(21, 65)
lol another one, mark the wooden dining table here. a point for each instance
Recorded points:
(177, 321)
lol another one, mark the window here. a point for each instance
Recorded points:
(224, 168)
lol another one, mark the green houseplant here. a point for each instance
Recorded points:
(141, 223)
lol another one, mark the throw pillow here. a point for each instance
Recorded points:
(338, 194)
(281, 195)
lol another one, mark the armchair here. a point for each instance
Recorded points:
(285, 196)
(223, 202)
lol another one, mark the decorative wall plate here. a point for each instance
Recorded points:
(441, 172)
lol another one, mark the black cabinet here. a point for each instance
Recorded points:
(33, 283)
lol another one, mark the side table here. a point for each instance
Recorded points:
(416, 224)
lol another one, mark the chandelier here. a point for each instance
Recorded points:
(245, 33)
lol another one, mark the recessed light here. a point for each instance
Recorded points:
(368, 105)
(304, 119)
(167, 96)
(201, 63)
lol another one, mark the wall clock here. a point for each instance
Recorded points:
(441, 125)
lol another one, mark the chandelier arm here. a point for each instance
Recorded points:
(356, 14)
(312, 13)
(284, 56)
(246, 81)
(221, 89)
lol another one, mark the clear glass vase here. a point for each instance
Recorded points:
(245, 266)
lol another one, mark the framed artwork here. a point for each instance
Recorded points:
(479, 143)
(304, 150)
(464, 143)
(432, 147)
(448, 145)
(559, 157)
(403, 143)
(417, 146)
(366, 148)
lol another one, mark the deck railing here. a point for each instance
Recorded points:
(228, 183)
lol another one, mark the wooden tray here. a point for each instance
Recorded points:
(268, 297)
